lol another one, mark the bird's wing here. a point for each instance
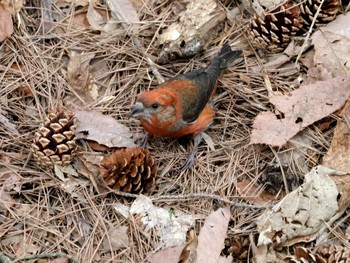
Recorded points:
(200, 85)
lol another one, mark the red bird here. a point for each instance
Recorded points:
(179, 106)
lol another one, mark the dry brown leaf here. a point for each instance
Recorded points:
(79, 76)
(124, 11)
(189, 253)
(98, 19)
(103, 129)
(13, 6)
(73, 187)
(117, 238)
(6, 201)
(338, 156)
(332, 46)
(343, 185)
(6, 24)
(302, 213)
(63, 3)
(5, 122)
(25, 249)
(212, 236)
(59, 260)
(299, 109)
(317, 73)
(171, 254)
(253, 194)
(195, 27)
(94, 18)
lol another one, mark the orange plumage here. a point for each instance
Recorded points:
(179, 106)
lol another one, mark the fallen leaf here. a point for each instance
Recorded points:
(6, 201)
(189, 253)
(299, 109)
(338, 156)
(317, 73)
(171, 254)
(13, 6)
(123, 210)
(103, 129)
(171, 227)
(98, 19)
(212, 236)
(73, 187)
(124, 11)
(59, 260)
(116, 238)
(79, 76)
(7, 124)
(94, 18)
(25, 249)
(6, 24)
(254, 194)
(195, 26)
(332, 46)
(302, 213)
(342, 182)
(64, 3)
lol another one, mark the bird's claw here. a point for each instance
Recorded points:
(189, 161)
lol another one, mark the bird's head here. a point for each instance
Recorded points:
(159, 103)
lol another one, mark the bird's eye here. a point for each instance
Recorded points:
(155, 106)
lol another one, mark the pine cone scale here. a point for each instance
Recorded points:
(129, 170)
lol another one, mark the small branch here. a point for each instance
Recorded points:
(191, 196)
(52, 255)
(209, 196)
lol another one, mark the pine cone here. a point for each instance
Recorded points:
(273, 30)
(334, 254)
(328, 11)
(129, 170)
(329, 254)
(54, 142)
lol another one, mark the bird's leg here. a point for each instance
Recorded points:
(191, 157)
(142, 139)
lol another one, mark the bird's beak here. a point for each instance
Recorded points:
(137, 110)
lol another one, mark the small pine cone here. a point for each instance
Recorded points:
(334, 254)
(273, 30)
(129, 170)
(329, 254)
(238, 247)
(328, 11)
(55, 141)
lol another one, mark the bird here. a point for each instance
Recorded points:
(181, 106)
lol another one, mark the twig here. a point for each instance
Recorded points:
(52, 255)
(210, 196)
(193, 196)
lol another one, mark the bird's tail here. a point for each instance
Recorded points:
(226, 55)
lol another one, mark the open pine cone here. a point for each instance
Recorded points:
(129, 170)
(54, 142)
(328, 11)
(323, 254)
(273, 30)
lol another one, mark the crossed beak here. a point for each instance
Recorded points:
(137, 110)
